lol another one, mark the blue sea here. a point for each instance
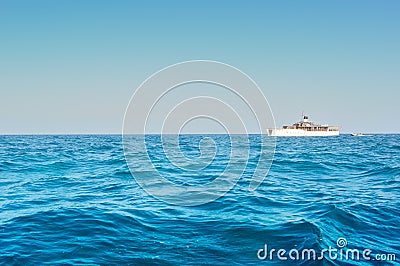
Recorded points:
(71, 199)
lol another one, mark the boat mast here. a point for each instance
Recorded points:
(304, 117)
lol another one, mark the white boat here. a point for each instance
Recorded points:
(304, 128)
(357, 134)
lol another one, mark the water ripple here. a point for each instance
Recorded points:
(72, 200)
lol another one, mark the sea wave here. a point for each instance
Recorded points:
(72, 200)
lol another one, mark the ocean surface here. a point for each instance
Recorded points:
(71, 199)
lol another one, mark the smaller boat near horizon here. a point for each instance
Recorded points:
(357, 134)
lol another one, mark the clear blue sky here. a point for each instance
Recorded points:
(71, 66)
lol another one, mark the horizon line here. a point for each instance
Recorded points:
(152, 133)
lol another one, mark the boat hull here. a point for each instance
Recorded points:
(281, 132)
